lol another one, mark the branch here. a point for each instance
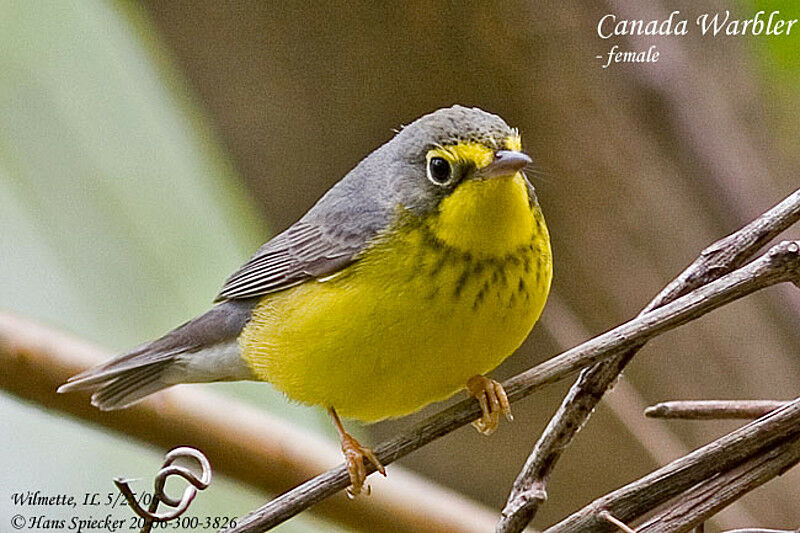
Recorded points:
(713, 409)
(722, 257)
(761, 530)
(781, 263)
(778, 428)
(659, 441)
(245, 443)
(709, 497)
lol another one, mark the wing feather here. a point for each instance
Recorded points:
(304, 251)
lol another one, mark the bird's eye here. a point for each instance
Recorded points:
(439, 170)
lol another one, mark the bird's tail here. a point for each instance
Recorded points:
(201, 350)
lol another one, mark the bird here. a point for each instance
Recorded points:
(413, 277)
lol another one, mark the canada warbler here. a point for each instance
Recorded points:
(421, 270)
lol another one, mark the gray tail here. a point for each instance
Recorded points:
(201, 350)
(125, 388)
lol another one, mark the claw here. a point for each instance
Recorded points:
(493, 401)
(354, 455)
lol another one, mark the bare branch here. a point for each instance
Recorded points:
(713, 409)
(760, 530)
(631, 502)
(709, 497)
(732, 251)
(715, 261)
(781, 263)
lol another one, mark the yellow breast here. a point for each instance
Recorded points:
(430, 304)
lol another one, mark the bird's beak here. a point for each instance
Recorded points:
(505, 163)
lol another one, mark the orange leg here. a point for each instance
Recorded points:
(493, 401)
(354, 455)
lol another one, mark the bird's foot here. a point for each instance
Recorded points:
(493, 401)
(354, 455)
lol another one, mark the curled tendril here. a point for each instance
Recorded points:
(179, 505)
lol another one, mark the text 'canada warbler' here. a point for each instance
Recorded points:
(420, 271)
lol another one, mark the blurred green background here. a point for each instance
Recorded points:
(146, 149)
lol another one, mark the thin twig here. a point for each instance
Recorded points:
(781, 263)
(760, 530)
(622, 526)
(713, 409)
(711, 496)
(636, 499)
(715, 261)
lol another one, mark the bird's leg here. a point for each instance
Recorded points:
(354, 455)
(493, 401)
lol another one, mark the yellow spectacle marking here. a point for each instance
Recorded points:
(467, 152)
(514, 142)
(471, 152)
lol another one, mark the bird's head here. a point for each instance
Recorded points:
(461, 170)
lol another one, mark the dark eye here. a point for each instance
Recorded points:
(439, 170)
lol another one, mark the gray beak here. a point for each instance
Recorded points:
(506, 163)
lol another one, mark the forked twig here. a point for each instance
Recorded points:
(719, 259)
(709, 497)
(716, 473)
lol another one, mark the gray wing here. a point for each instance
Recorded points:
(306, 250)
(329, 237)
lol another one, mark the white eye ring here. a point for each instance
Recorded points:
(440, 171)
